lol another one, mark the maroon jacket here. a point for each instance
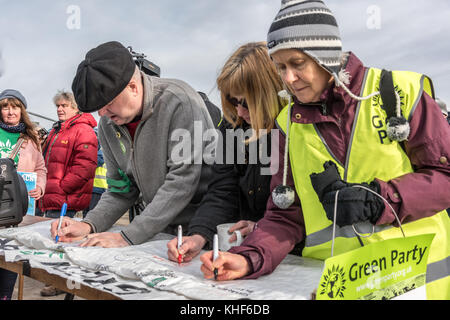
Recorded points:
(70, 155)
(413, 196)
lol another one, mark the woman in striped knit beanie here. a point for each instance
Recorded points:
(311, 27)
(350, 172)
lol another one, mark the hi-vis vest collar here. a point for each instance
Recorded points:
(370, 155)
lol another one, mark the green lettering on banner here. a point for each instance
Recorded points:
(377, 271)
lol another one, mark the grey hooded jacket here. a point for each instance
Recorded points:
(150, 163)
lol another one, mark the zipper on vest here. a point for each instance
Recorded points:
(134, 167)
(133, 162)
(324, 108)
(50, 147)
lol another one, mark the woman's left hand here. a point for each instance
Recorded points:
(244, 226)
(36, 193)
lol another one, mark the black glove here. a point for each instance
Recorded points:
(354, 204)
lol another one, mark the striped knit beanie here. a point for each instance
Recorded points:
(309, 26)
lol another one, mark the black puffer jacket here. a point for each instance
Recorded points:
(236, 191)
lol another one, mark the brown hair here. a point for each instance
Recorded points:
(30, 128)
(251, 73)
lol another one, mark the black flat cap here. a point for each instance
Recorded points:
(102, 76)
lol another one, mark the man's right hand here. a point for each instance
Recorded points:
(190, 248)
(71, 230)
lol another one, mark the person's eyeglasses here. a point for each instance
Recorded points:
(235, 102)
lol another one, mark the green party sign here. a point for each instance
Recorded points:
(380, 270)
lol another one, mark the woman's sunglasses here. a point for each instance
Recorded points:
(235, 102)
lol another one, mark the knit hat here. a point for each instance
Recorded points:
(102, 76)
(310, 27)
(10, 93)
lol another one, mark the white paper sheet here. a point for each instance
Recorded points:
(147, 264)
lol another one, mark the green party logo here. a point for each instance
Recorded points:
(334, 283)
(122, 147)
(6, 148)
(124, 150)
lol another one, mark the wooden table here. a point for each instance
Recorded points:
(23, 268)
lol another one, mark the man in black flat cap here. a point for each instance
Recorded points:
(139, 116)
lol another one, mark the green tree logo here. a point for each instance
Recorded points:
(6, 148)
(334, 283)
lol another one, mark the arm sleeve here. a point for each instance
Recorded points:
(426, 191)
(183, 175)
(112, 205)
(279, 231)
(221, 202)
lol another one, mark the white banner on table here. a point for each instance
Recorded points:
(294, 279)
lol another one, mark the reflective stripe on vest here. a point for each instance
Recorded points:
(370, 155)
(100, 177)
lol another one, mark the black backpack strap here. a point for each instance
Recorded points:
(2, 184)
(387, 93)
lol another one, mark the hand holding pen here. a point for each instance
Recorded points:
(61, 216)
(179, 243)
(224, 266)
(215, 254)
(190, 247)
(68, 230)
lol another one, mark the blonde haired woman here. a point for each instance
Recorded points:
(238, 192)
(250, 77)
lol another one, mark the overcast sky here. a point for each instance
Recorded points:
(42, 42)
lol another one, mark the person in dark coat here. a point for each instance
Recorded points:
(239, 187)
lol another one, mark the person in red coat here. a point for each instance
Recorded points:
(70, 155)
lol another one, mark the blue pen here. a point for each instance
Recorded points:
(61, 216)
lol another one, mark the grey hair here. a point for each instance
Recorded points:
(65, 95)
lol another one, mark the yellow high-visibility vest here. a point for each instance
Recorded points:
(100, 177)
(370, 155)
